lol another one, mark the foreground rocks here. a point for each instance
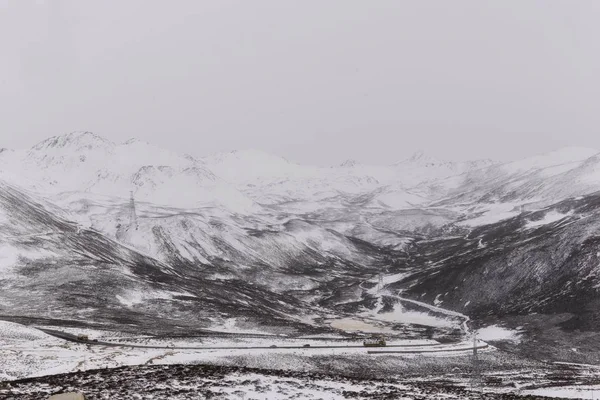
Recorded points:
(220, 382)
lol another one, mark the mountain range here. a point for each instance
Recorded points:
(252, 239)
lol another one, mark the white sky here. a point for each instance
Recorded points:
(316, 81)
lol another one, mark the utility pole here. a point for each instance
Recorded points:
(133, 222)
(475, 375)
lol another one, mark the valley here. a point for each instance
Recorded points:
(214, 260)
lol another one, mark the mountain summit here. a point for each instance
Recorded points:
(420, 157)
(75, 141)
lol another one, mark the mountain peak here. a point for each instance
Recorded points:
(349, 163)
(78, 140)
(417, 155)
(421, 158)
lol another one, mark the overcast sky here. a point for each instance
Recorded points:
(316, 81)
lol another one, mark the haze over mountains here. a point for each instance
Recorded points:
(254, 238)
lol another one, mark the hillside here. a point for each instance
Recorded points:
(53, 269)
(256, 240)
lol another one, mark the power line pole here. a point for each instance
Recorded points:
(133, 221)
(475, 375)
(380, 283)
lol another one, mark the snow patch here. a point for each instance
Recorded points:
(549, 218)
(132, 298)
(491, 214)
(400, 315)
(498, 333)
(11, 330)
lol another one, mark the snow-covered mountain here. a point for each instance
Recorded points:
(239, 181)
(86, 162)
(504, 190)
(249, 232)
(90, 177)
(78, 169)
(52, 268)
(421, 167)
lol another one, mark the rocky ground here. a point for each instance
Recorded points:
(34, 365)
(221, 382)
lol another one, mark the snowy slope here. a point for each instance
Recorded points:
(421, 167)
(237, 181)
(52, 268)
(502, 191)
(546, 177)
(86, 162)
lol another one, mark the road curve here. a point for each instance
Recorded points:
(465, 318)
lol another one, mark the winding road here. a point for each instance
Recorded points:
(465, 318)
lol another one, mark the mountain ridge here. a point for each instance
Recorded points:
(289, 239)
